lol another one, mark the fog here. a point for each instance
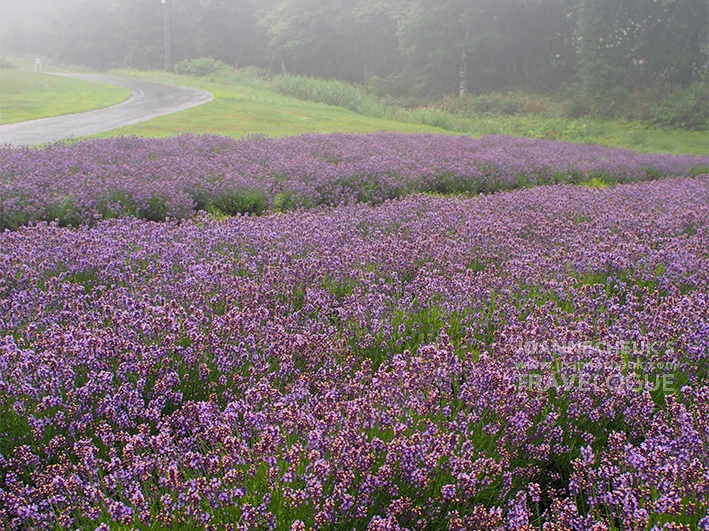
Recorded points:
(406, 48)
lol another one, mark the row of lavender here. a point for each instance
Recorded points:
(175, 178)
(498, 363)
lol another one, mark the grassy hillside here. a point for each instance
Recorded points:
(30, 95)
(291, 105)
(239, 109)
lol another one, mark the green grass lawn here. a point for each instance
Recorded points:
(30, 95)
(238, 110)
(246, 106)
(617, 133)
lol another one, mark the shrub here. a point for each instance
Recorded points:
(254, 72)
(494, 103)
(501, 104)
(436, 118)
(578, 107)
(202, 66)
(454, 104)
(396, 85)
(7, 64)
(686, 108)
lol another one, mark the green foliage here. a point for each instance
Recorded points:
(227, 30)
(7, 64)
(494, 104)
(629, 46)
(200, 67)
(349, 39)
(396, 85)
(284, 201)
(686, 108)
(503, 104)
(244, 201)
(253, 73)
(330, 92)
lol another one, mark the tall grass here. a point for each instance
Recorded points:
(333, 92)
(352, 97)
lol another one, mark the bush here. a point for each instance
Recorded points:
(253, 73)
(7, 64)
(395, 85)
(686, 108)
(436, 118)
(578, 107)
(494, 103)
(501, 104)
(200, 67)
(454, 104)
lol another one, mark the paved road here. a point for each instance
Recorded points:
(148, 101)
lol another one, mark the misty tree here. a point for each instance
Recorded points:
(673, 41)
(302, 33)
(487, 43)
(27, 26)
(224, 29)
(539, 50)
(371, 31)
(625, 46)
(613, 47)
(91, 34)
(440, 38)
(346, 39)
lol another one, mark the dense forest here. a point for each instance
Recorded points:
(613, 48)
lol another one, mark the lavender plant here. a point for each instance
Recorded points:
(536, 359)
(157, 179)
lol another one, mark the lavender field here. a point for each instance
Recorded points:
(156, 179)
(536, 359)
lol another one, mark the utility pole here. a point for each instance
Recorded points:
(168, 36)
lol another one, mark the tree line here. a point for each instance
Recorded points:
(611, 47)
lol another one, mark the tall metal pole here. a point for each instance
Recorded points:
(168, 37)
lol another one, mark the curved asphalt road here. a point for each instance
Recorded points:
(149, 100)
